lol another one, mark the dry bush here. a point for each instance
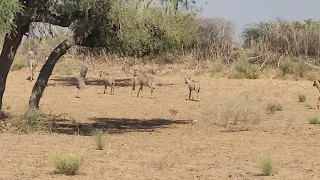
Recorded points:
(239, 114)
(214, 38)
(35, 121)
(282, 36)
(272, 107)
(67, 164)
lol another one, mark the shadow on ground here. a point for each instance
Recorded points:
(114, 125)
(72, 81)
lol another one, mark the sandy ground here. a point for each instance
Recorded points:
(146, 142)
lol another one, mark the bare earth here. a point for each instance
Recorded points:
(146, 142)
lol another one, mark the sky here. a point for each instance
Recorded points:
(243, 12)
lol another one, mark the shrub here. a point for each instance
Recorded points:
(34, 121)
(266, 165)
(287, 66)
(239, 114)
(281, 36)
(100, 139)
(67, 164)
(302, 97)
(273, 107)
(243, 69)
(314, 120)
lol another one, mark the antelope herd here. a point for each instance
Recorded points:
(140, 79)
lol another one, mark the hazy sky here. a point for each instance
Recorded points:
(242, 12)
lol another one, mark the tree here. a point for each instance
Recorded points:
(78, 15)
(17, 17)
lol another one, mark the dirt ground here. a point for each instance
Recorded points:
(146, 142)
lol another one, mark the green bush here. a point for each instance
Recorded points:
(243, 69)
(266, 165)
(314, 120)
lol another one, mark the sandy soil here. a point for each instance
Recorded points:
(146, 142)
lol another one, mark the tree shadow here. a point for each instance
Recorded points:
(72, 81)
(114, 125)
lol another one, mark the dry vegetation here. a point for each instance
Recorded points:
(246, 107)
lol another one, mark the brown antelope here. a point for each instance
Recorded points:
(32, 64)
(143, 80)
(108, 80)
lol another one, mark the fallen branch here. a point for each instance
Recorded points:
(264, 63)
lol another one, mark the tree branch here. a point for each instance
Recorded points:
(63, 20)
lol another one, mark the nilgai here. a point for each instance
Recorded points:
(108, 80)
(193, 86)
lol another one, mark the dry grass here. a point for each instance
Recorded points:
(19, 63)
(239, 115)
(67, 164)
(35, 121)
(266, 165)
(272, 107)
(302, 97)
(100, 139)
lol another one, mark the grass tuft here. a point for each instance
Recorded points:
(272, 107)
(302, 97)
(266, 165)
(35, 121)
(67, 164)
(314, 120)
(100, 139)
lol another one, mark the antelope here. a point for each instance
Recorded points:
(193, 86)
(32, 64)
(143, 80)
(316, 84)
(108, 80)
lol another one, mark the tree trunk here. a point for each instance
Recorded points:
(11, 43)
(46, 72)
(81, 79)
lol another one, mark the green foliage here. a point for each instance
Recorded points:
(151, 31)
(67, 164)
(122, 28)
(7, 10)
(243, 69)
(294, 66)
(266, 165)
